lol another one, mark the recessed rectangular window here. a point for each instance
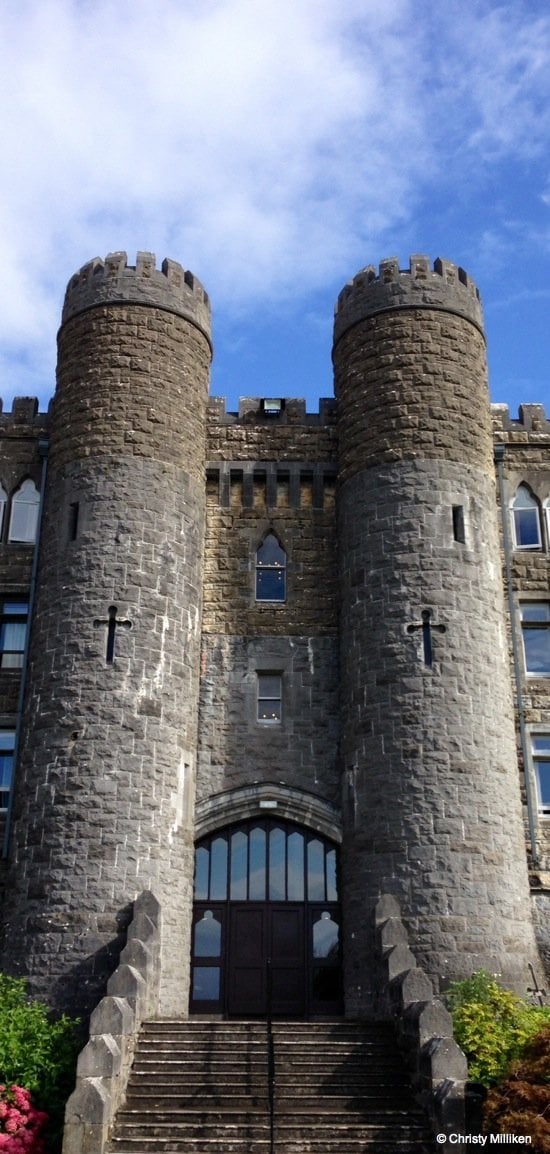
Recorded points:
(7, 747)
(73, 520)
(535, 628)
(540, 750)
(13, 633)
(270, 697)
(459, 531)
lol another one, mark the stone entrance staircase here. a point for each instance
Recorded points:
(202, 1088)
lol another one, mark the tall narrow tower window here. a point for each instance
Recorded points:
(24, 513)
(526, 520)
(3, 500)
(270, 570)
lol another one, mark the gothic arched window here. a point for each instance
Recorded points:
(24, 513)
(526, 520)
(270, 570)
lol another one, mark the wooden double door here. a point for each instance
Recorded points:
(280, 954)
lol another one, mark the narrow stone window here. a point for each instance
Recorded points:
(540, 752)
(24, 513)
(13, 633)
(3, 503)
(459, 531)
(526, 520)
(535, 628)
(270, 570)
(270, 697)
(73, 520)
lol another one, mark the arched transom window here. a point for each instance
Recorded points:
(24, 513)
(526, 520)
(266, 861)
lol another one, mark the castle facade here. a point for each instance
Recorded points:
(272, 664)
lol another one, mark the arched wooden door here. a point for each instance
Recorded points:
(266, 924)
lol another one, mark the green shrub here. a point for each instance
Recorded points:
(492, 1025)
(37, 1052)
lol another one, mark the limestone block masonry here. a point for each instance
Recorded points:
(104, 804)
(432, 810)
(393, 731)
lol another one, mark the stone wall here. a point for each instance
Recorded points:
(105, 790)
(291, 492)
(526, 461)
(428, 743)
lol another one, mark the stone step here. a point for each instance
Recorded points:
(255, 1128)
(222, 1144)
(347, 1097)
(201, 1088)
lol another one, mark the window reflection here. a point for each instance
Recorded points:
(208, 936)
(326, 935)
(218, 883)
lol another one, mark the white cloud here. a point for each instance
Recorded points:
(263, 142)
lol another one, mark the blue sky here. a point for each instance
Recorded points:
(275, 147)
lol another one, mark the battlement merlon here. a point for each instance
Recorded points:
(114, 281)
(445, 287)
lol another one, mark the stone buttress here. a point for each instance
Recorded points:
(105, 794)
(431, 793)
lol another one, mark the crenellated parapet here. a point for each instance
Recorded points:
(444, 286)
(113, 281)
(532, 419)
(272, 411)
(24, 413)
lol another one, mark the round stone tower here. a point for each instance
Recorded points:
(431, 791)
(104, 803)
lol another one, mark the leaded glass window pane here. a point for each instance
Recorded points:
(295, 855)
(239, 866)
(257, 879)
(277, 847)
(332, 892)
(206, 983)
(218, 869)
(316, 871)
(202, 862)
